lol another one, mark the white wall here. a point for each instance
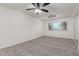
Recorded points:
(16, 27)
(76, 27)
(63, 34)
(78, 30)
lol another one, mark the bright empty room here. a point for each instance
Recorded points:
(39, 29)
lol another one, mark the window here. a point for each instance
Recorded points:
(55, 26)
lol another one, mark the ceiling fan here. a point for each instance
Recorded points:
(38, 8)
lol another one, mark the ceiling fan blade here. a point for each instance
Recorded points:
(33, 4)
(31, 9)
(44, 10)
(45, 4)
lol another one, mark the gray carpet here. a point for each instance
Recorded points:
(43, 46)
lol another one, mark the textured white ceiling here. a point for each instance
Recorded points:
(59, 9)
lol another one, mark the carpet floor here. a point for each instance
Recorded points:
(43, 46)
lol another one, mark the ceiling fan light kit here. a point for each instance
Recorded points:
(38, 11)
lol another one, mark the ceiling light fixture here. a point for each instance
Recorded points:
(51, 16)
(38, 11)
